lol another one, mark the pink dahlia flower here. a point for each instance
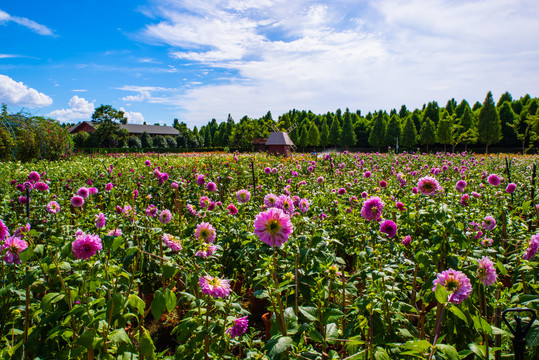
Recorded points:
(273, 227)
(456, 283)
(428, 185)
(4, 231)
(14, 246)
(389, 228)
(83, 192)
(533, 246)
(205, 232)
(172, 242)
(41, 186)
(34, 176)
(232, 209)
(239, 328)
(243, 196)
(271, 200)
(489, 223)
(494, 180)
(100, 220)
(213, 286)
(372, 209)
(486, 271)
(206, 250)
(165, 216)
(77, 201)
(86, 246)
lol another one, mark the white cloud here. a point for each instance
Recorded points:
(32, 25)
(360, 54)
(144, 93)
(133, 117)
(16, 93)
(79, 109)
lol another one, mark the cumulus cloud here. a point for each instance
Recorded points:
(143, 93)
(133, 117)
(79, 109)
(16, 93)
(360, 54)
(30, 24)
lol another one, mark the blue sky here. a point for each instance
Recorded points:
(196, 60)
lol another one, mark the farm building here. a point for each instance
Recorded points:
(133, 129)
(279, 143)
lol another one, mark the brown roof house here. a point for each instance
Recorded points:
(133, 129)
(279, 143)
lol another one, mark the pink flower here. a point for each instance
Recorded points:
(4, 231)
(200, 179)
(486, 271)
(206, 250)
(86, 246)
(271, 200)
(232, 209)
(243, 196)
(41, 186)
(211, 187)
(205, 232)
(100, 220)
(461, 184)
(213, 286)
(239, 328)
(406, 240)
(511, 187)
(108, 187)
(464, 199)
(165, 216)
(93, 191)
(533, 246)
(304, 205)
(489, 223)
(286, 204)
(372, 209)
(172, 242)
(83, 192)
(428, 185)
(389, 228)
(34, 176)
(77, 201)
(14, 245)
(494, 180)
(456, 283)
(115, 232)
(273, 227)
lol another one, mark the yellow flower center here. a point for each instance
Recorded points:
(273, 226)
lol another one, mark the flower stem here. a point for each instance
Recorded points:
(440, 315)
(279, 302)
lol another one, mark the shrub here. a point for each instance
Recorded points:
(171, 142)
(146, 139)
(79, 138)
(134, 142)
(160, 142)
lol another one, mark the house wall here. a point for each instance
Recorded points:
(280, 150)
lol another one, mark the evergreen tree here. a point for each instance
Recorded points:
(207, 137)
(489, 126)
(334, 132)
(459, 110)
(393, 130)
(160, 142)
(507, 119)
(403, 112)
(409, 134)
(476, 106)
(432, 111)
(361, 128)
(468, 132)
(517, 107)
(521, 127)
(348, 136)
(450, 106)
(216, 140)
(377, 137)
(505, 97)
(314, 135)
(427, 134)
(304, 136)
(146, 140)
(324, 133)
(443, 131)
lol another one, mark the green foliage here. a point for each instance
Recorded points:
(171, 143)
(393, 130)
(377, 136)
(160, 142)
(80, 138)
(427, 134)
(313, 136)
(107, 123)
(334, 132)
(443, 131)
(146, 140)
(409, 134)
(134, 142)
(348, 136)
(489, 126)
(324, 132)
(505, 97)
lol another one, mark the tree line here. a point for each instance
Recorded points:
(507, 123)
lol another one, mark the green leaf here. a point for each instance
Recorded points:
(481, 325)
(159, 304)
(449, 351)
(316, 336)
(532, 338)
(309, 312)
(455, 310)
(418, 345)
(477, 349)
(502, 268)
(147, 348)
(441, 294)
(119, 336)
(88, 339)
(137, 303)
(117, 242)
(331, 315)
(381, 354)
(29, 279)
(168, 270)
(49, 299)
(277, 345)
(170, 300)
(26, 254)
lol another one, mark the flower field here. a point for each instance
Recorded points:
(340, 256)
